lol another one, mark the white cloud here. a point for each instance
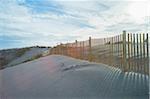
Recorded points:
(79, 20)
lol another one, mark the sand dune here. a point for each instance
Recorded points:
(61, 77)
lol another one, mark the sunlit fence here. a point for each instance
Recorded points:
(127, 51)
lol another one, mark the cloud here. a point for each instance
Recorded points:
(41, 6)
(130, 27)
(48, 22)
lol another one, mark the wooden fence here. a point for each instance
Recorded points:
(127, 51)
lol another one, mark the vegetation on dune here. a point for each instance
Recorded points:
(22, 51)
(33, 58)
(8, 55)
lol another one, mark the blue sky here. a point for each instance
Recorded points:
(49, 22)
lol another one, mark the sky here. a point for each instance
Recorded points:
(50, 22)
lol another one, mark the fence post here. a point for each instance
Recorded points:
(68, 49)
(143, 45)
(134, 52)
(104, 47)
(90, 50)
(80, 50)
(112, 51)
(60, 49)
(65, 50)
(147, 42)
(57, 49)
(117, 45)
(124, 52)
(143, 48)
(83, 51)
(137, 37)
(120, 50)
(72, 50)
(141, 60)
(129, 51)
(147, 61)
(131, 61)
(76, 49)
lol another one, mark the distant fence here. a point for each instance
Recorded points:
(128, 51)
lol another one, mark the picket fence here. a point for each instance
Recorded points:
(127, 51)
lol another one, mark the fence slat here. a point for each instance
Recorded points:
(90, 50)
(147, 61)
(131, 60)
(141, 60)
(124, 51)
(127, 51)
(137, 51)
